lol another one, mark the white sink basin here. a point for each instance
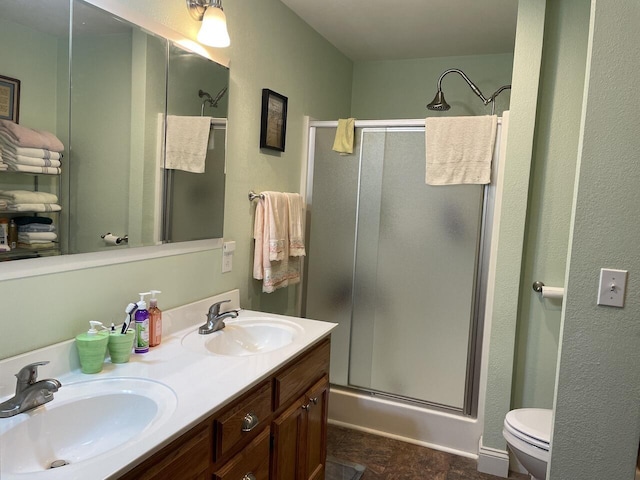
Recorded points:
(84, 419)
(245, 336)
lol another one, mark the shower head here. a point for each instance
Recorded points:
(219, 97)
(439, 103)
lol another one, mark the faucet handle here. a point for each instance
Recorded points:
(215, 308)
(29, 373)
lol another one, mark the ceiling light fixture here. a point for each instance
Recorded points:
(213, 31)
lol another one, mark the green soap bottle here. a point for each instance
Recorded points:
(92, 348)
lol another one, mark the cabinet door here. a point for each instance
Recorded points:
(287, 431)
(316, 430)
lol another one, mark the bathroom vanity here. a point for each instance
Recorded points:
(246, 402)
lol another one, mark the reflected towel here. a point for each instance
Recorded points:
(36, 227)
(22, 136)
(15, 167)
(459, 149)
(27, 196)
(343, 142)
(34, 207)
(296, 225)
(13, 159)
(37, 246)
(37, 237)
(7, 145)
(187, 139)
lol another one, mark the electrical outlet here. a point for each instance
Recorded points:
(227, 255)
(613, 285)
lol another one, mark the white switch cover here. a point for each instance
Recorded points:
(227, 255)
(613, 284)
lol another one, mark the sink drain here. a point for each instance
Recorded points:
(58, 463)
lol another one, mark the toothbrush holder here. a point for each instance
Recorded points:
(92, 350)
(120, 346)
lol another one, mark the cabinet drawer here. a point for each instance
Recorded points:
(294, 380)
(253, 460)
(246, 417)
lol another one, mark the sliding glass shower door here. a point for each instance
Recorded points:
(394, 261)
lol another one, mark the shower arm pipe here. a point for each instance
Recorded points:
(473, 87)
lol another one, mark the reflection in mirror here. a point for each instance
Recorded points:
(117, 106)
(34, 50)
(111, 124)
(196, 87)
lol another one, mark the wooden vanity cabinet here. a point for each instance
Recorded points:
(277, 430)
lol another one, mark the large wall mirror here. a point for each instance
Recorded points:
(105, 88)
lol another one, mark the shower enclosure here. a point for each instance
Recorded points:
(399, 265)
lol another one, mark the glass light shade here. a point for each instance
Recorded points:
(213, 31)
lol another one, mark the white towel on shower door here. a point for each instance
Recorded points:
(187, 139)
(459, 149)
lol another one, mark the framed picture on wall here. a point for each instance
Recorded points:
(9, 98)
(273, 123)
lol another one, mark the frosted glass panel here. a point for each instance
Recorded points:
(415, 269)
(331, 243)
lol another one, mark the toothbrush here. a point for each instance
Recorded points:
(132, 307)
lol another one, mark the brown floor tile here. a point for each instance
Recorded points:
(388, 459)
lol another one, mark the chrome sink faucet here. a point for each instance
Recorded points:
(30, 393)
(215, 319)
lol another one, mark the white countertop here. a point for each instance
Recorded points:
(202, 383)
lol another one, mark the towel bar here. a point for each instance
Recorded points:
(253, 195)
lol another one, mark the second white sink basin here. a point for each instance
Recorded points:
(84, 419)
(244, 336)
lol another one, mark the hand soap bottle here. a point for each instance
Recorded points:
(92, 347)
(155, 320)
(142, 326)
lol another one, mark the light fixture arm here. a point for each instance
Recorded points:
(198, 7)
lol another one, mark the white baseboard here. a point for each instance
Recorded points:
(493, 461)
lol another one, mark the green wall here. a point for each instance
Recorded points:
(272, 48)
(550, 198)
(597, 403)
(402, 88)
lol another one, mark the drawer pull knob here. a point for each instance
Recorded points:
(306, 407)
(249, 422)
(314, 400)
(249, 476)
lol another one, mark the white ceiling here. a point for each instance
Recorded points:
(403, 29)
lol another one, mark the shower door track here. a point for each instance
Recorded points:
(474, 349)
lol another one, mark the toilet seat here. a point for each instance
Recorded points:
(530, 425)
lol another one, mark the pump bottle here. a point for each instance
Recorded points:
(142, 325)
(155, 320)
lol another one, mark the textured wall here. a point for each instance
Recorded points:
(597, 404)
(402, 88)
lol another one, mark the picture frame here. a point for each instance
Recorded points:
(9, 99)
(273, 122)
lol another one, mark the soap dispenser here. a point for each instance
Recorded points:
(142, 325)
(92, 348)
(155, 320)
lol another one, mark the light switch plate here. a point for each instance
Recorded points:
(613, 286)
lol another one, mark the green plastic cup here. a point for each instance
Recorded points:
(92, 350)
(120, 346)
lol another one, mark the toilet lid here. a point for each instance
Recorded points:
(534, 423)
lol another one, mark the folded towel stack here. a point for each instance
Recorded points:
(36, 233)
(23, 149)
(279, 240)
(27, 201)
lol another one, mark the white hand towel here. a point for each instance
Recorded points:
(34, 207)
(10, 158)
(276, 212)
(7, 144)
(459, 149)
(274, 274)
(187, 139)
(296, 225)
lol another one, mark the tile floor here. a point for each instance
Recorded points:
(388, 459)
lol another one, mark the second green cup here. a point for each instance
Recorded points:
(120, 346)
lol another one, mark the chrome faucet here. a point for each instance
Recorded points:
(30, 393)
(215, 319)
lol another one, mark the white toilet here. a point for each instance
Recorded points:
(528, 433)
